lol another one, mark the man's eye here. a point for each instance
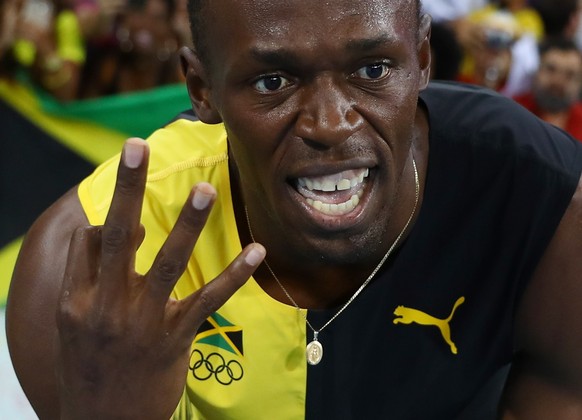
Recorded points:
(373, 71)
(271, 83)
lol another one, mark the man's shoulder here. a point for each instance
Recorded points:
(461, 106)
(495, 130)
(463, 100)
(460, 112)
(455, 89)
(185, 139)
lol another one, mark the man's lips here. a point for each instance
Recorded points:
(335, 194)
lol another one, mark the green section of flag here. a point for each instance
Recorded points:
(134, 114)
(221, 321)
(217, 340)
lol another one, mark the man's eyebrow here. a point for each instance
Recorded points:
(275, 57)
(368, 44)
(283, 57)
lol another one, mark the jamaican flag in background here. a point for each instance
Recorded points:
(48, 147)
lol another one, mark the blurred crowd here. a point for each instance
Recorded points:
(79, 49)
(528, 50)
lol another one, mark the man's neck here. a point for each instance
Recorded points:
(559, 119)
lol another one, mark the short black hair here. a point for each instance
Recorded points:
(195, 9)
(195, 13)
(560, 43)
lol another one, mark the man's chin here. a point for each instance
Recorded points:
(341, 248)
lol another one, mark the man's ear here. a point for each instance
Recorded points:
(198, 86)
(424, 55)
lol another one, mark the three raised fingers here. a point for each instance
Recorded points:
(120, 237)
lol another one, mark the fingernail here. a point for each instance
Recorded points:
(133, 153)
(201, 199)
(255, 256)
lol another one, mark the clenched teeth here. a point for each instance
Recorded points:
(341, 181)
(334, 194)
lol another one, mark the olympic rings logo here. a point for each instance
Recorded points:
(204, 368)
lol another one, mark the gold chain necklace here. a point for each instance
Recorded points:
(314, 350)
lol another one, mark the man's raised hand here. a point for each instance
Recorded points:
(123, 342)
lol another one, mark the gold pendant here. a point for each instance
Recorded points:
(314, 352)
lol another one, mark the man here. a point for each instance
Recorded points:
(425, 270)
(556, 87)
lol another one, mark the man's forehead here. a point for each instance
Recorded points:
(373, 5)
(563, 58)
(266, 18)
(263, 9)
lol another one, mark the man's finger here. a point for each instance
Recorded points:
(210, 298)
(121, 228)
(81, 268)
(173, 257)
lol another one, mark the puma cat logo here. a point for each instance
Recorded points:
(406, 315)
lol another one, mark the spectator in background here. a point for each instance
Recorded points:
(500, 41)
(51, 47)
(488, 60)
(9, 11)
(9, 14)
(141, 55)
(449, 11)
(555, 93)
(453, 14)
(98, 17)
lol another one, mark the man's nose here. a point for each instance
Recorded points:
(327, 115)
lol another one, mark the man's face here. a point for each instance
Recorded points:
(319, 101)
(558, 81)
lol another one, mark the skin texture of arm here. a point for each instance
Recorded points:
(546, 377)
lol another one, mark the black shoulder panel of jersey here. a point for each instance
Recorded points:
(184, 115)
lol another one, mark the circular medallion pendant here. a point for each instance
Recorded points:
(314, 352)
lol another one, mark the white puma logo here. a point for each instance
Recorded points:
(406, 315)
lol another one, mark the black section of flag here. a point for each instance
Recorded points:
(35, 169)
(206, 326)
(236, 338)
